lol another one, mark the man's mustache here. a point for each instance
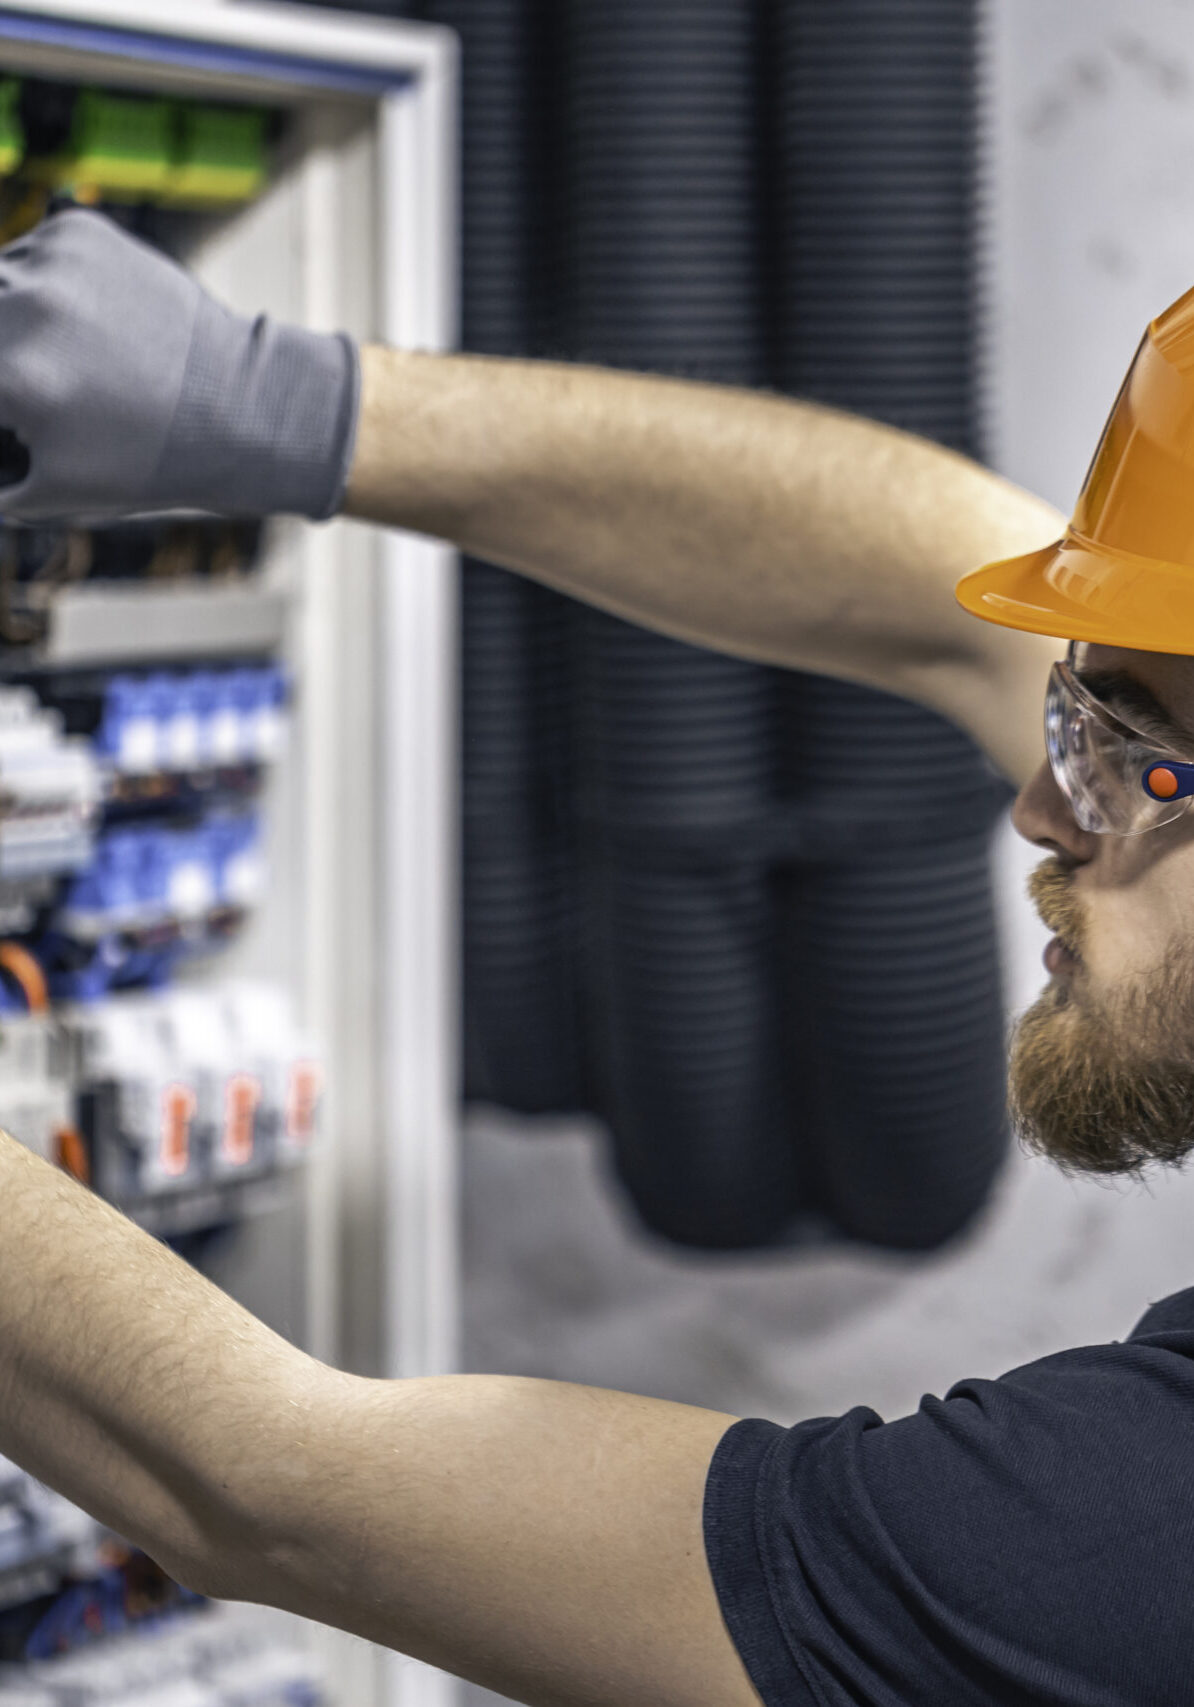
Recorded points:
(1051, 890)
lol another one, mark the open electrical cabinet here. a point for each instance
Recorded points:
(303, 164)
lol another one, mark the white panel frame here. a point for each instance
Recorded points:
(419, 622)
(419, 601)
(420, 948)
(293, 31)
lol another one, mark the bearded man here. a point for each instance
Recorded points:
(1023, 1540)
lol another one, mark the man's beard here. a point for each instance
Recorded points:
(1105, 1086)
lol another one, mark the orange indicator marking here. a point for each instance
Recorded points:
(178, 1111)
(241, 1099)
(1162, 781)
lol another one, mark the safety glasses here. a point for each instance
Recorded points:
(1117, 779)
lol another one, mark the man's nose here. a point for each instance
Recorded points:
(1043, 815)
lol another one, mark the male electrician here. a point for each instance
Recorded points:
(1026, 1540)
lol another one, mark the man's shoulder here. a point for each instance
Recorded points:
(1019, 1539)
(1171, 1318)
(1155, 1362)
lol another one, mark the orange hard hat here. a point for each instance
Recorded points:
(1123, 572)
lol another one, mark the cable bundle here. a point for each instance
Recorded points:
(522, 1030)
(659, 134)
(744, 915)
(874, 139)
(873, 173)
(675, 751)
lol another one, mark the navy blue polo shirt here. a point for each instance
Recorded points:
(1023, 1541)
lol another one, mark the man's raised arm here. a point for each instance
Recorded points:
(777, 530)
(772, 529)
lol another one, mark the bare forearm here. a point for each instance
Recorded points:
(127, 1381)
(772, 529)
(543, 1539)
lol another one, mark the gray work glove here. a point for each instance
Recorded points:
(132, 390)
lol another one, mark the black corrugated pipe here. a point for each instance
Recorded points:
(761, 900)
(676, 746)
(873, 145)
(892, 977)
(893, 968)
(522, 1036)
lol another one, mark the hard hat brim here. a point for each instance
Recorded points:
(1078, 591)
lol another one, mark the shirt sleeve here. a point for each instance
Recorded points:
(1020, 1541)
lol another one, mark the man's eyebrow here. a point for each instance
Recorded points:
(1138, 705)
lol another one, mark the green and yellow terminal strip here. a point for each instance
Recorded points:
(133, 150)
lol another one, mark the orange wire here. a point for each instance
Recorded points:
(70, 1153)
(25, 971)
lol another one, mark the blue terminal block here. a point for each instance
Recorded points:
(196, 721)
(225, 735)
(192, 884)
(246, 690)
(161, 692)
(150, 877)
(181, 861)
(182, 733)
(108, 897)
(155, 865)
(236, 851)
(128, 732)
(204, 688)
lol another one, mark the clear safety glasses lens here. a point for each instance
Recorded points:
(1099, 763)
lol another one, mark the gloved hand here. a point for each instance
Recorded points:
(132, 390)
